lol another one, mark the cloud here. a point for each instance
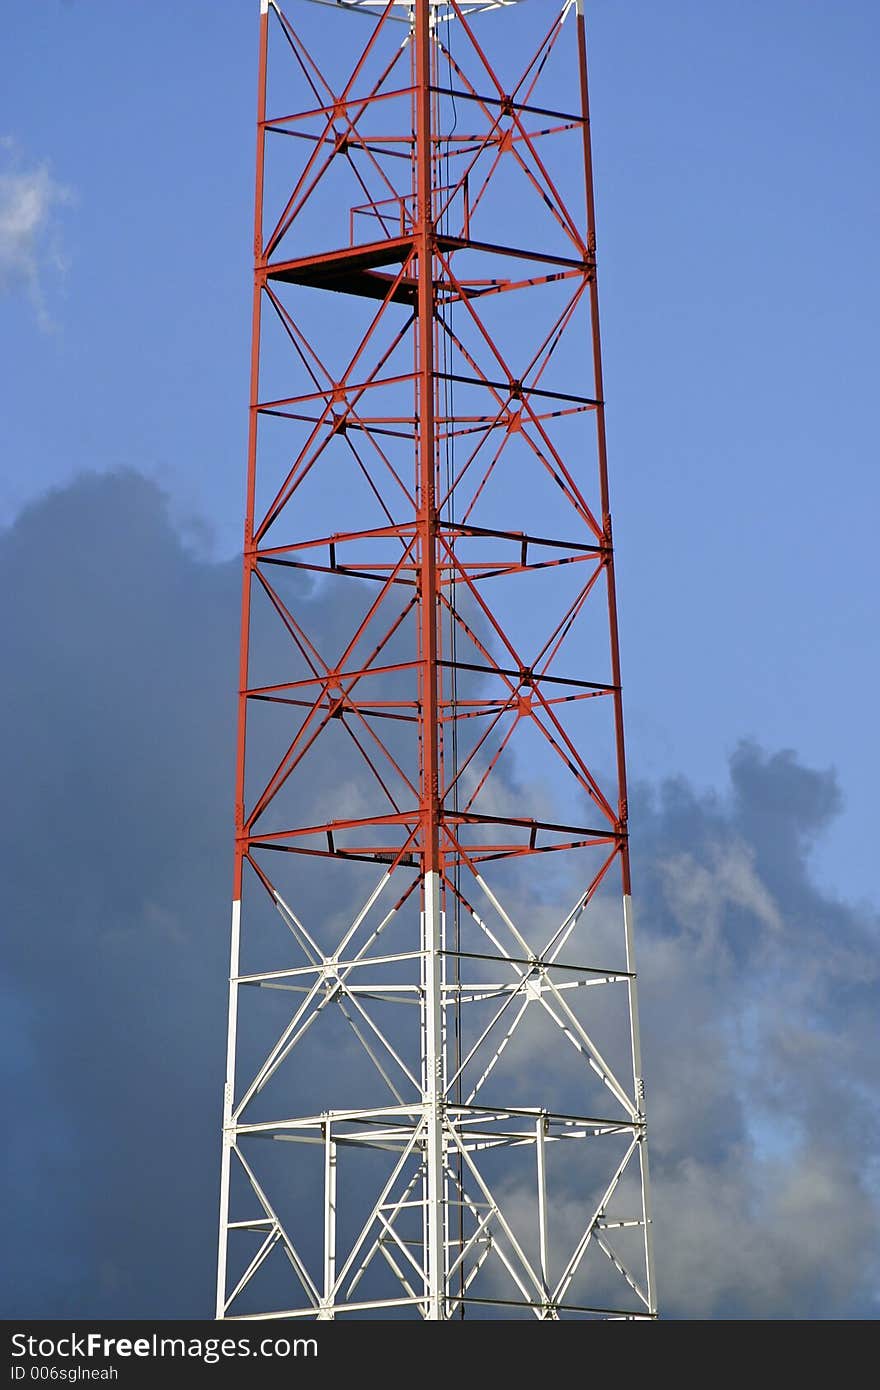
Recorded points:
(29, 244)
(759, 1004)
(744, 1238)
(759, 991)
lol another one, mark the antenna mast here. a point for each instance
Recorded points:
(434, 1103)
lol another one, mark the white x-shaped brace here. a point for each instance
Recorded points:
(492, 1235)
(329, 984)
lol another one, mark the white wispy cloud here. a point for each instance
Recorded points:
(30, 243)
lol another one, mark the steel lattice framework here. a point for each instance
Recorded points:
(434, 1102)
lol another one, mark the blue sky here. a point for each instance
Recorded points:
(737, 201)
(738, 214)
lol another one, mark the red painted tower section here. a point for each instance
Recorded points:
(434, 1101)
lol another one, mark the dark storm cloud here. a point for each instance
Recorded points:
(119, 719)
(758, 996)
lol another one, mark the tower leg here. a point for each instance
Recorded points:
(329, 1221)
(228, 1103)
(432, 1025)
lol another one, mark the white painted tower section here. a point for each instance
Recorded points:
(228, 1138)
(434, 1085)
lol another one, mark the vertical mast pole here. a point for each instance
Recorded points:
(433, 1079)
